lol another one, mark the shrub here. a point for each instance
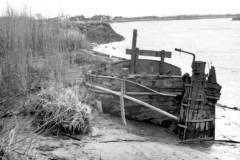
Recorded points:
(59, 111)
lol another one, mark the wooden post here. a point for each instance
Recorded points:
(134, 54)
(163, 54)
(161, 66)
(123, 91)
(134, 40)
(99, 106)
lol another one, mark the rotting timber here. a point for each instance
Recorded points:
(157, 92)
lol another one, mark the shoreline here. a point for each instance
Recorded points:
(121, 19)
(159, 20)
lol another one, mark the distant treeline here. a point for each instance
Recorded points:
(107, 18)
(237, 18)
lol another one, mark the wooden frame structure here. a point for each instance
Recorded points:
(126, 95)
(135, 53)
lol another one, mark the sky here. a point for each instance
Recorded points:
(127, 8)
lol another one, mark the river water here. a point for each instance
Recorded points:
(216, 41)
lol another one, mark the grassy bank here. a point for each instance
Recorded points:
(37, 57)
(34, 50)
(99, 32)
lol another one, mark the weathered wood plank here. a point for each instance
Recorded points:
(182, 126)
(201, 120)
(150, 53)
(146, 93)
(134, 83)
(135, 100)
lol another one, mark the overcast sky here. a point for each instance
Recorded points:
(130, 8)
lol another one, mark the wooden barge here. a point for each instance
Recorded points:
(157, 92)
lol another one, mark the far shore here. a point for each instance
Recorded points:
(121, 19)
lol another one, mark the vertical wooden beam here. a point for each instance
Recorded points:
(99, 105)
(161, 63)
(123, 91)
(134, 54)
(134, 39)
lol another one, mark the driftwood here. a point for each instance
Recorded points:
(70, 136)
(125, 140)
(122, 102)
(233, 108)
(207, 140)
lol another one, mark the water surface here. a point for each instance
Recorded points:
(216, 41)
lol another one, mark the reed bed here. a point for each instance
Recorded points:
(24, 39)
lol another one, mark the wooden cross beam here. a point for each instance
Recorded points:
(135, 52)
(163, 54)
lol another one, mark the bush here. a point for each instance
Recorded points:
(59, 111)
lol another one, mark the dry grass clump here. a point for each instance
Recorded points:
(60, 111)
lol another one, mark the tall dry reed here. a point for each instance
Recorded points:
(24, 40)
